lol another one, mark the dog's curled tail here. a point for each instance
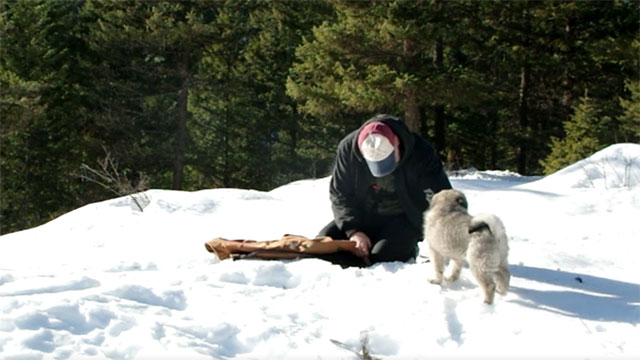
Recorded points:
(491, 223)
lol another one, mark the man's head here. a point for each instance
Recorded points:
(379, 147)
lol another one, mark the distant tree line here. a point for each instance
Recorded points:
(257, 93)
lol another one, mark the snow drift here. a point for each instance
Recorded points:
(617, 166)
(109, 281)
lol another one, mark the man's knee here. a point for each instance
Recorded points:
(386, 251)
(332, 231)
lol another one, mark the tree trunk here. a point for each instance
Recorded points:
(181, 124)
(568, 81)
(523, 119)
(440, 128)
(411, 64)
(523, 101)
(412, 113)
(493, 152)
(180, 146)
(226, 147)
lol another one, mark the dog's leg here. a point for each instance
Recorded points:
(489, 292)
(438, 266)
(502, 277)
(455, 269)
(486, 283)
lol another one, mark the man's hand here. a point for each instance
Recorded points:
(363, 243)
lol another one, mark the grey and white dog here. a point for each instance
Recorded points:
(453, 234)
(447, 233)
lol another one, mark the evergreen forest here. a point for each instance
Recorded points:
(100, 98)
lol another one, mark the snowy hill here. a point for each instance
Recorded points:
(614, 167)
(109, 281)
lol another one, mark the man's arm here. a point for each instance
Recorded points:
(342, 190)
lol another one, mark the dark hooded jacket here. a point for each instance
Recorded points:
(418, 176)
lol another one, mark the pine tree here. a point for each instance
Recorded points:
(381, 57)
(149, 55)
(279, 27)
(46, 130)
(582, 137)
(246, 129)
(255, 93)
(630, 118)
(224, 114)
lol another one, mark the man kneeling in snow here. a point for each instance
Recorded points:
(383, 179)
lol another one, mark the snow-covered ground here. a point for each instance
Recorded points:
(109, 281)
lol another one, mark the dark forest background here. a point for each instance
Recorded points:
(255, 94)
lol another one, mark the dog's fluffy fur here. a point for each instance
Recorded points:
(454, 234)
(487, 255)
(447, 232)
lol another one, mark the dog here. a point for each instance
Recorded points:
(453, 234)
(487, 255)
(447, 232)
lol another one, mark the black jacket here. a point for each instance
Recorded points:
(418, 176)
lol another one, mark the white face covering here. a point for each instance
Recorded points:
(376, 147)
(380, 154)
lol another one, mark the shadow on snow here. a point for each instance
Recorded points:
(584, 296)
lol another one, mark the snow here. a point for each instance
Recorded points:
(109, 281)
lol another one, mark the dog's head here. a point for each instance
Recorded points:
(449, 200)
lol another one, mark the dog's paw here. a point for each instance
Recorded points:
(452, 277)
(435, 281)
(489, 293)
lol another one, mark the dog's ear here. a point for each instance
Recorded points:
(462, 202)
